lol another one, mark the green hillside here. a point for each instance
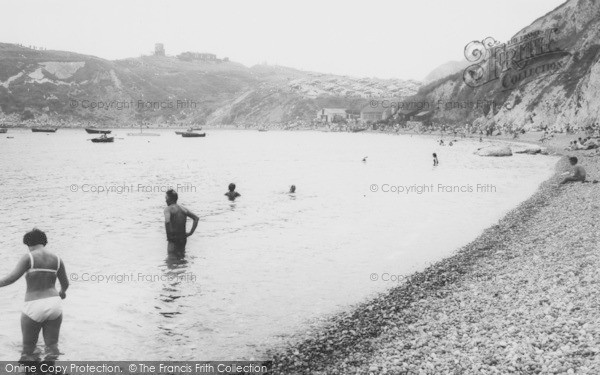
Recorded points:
(74, 89)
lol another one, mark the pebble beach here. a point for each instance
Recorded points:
(522, 298)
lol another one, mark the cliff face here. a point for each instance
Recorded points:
(546, 76)
(445, 70)
(55, 85)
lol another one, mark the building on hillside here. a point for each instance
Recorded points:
(206, 56)
(197, 56)
(374, 113)
(330, 115)
(159, 49)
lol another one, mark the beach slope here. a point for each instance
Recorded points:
(524, 297)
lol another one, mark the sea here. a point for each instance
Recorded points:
(258, 271)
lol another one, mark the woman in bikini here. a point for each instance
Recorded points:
(43, 305)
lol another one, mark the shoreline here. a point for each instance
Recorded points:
(444, 319)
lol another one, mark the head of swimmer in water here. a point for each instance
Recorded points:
(232, 187)
(434, 155)
(293, 189)
(573, 160)
(34, 238)
(171, 197)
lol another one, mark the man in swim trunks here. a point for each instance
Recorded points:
(175, 221)
(232, 194)
(578, 172)
(42, 310)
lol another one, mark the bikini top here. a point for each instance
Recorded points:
(33, 269)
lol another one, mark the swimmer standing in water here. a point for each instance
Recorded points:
(435, 160)
(292, 189)
(175, 221)
(232, 194)
(42, 310)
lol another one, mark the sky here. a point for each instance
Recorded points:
(376, 38)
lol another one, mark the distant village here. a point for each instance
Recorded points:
(375, 113)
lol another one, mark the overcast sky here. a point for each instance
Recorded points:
(375, 38)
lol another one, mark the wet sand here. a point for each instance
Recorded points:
(523, 297)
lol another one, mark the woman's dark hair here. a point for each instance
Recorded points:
(434, 155)
(172, 194)
(573, 159)
(35, 237)
(231, 186)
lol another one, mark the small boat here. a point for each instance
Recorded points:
(357, 130)
(3, 130)
(103, 139)
(97, 131)
(44, 130)
(192, 135)
(263, 130)
(190, 130)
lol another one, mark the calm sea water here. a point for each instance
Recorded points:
(256, 270)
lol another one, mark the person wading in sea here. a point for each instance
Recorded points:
(175, 221)
(232, 194)
(42, 310)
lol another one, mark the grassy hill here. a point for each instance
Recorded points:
(74, 89)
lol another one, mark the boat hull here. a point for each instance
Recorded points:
(2, 130)
(103, 140)
(193, 135)
(44, 130)
(97, 131)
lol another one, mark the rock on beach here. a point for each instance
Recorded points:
(529, 149)
(494, 151)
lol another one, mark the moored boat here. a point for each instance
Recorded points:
(3, 130)
(44, 130)
(190, 130)
(192, 135)
(103, 139)
(97, 131)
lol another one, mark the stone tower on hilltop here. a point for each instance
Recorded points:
(159, 49)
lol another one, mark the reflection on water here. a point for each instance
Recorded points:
(256, 269)
(176, 267)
